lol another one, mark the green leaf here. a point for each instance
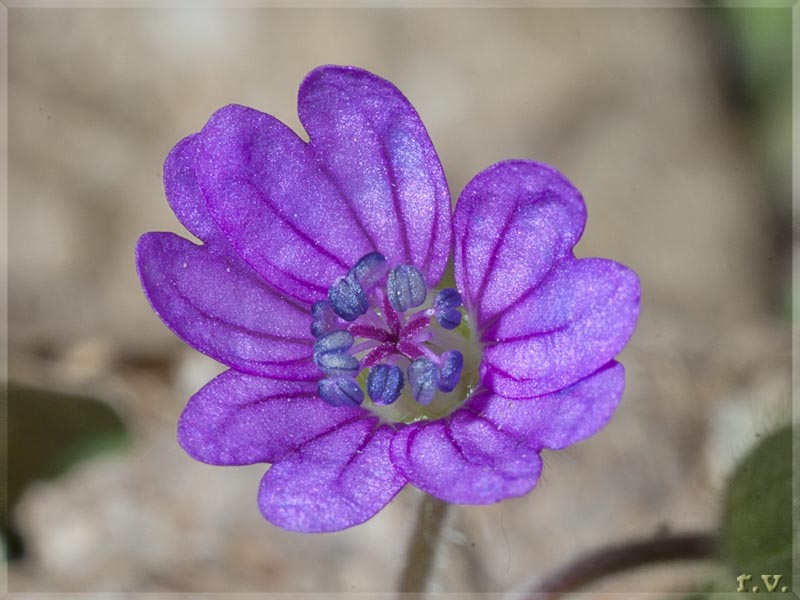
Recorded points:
(757, 517)
(48, 432)
(765, 38)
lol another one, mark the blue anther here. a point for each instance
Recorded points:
(340, 391)
(369, 269)
(423, 375)
(406, 288)
(448, 297)
(448, 318)
(384, 384)
(324, 319)
(330, 354)
(452, 364)
(337, 363)
(347, 298)
(335, 341)
(445, 308)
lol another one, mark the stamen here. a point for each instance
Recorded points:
(374, 318)
(384, 384)
(445, 308)
(362, 346)
(324, 319)
(452, 364)
(340, 391)
(337, 363)
(448, 297)
(335, 341)
(370, 269)
(348, 298)
(330, 354)
(368, 314)
(423, 375)
(406, 287)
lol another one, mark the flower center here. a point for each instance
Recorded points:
(388, 343)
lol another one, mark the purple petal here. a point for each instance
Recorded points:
(377, 151)
(334, 481)
(560, 419)
(266, 190)
(574, 322)
(221, 308)
(512, 223)
(183, 193)
(466, 460)
(240, 419)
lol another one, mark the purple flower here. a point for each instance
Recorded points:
(354, 369)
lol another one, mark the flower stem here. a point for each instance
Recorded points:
(421, 549)
(612, 559)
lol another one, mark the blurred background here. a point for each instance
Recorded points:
(674, 123)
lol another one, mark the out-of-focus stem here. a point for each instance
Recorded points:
(422, 546)
(609, 560)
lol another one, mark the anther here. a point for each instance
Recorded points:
(406, 287)
(340, 391)
(384, 384)
(452, 363)
(368, 305)
(370, 269)
(337, 363)
(445, 308)
(324, 319)
(335, 341)
(330, 354)
(348, 298)
(423, 375)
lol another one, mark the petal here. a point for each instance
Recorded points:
(266, 190)
(377, 151)
(574, 322)
(559, 419)
(332, 482)
(183, 193)
(466, 460)
(512, 223)
(223, 309)
(240, 419)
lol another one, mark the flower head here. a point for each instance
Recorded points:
(354, 368)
